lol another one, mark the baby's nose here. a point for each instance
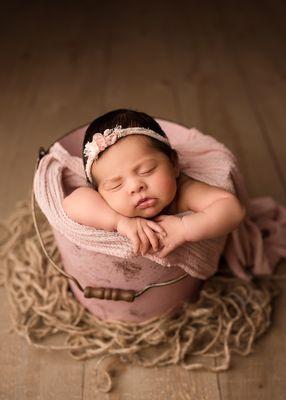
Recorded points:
(137, 187)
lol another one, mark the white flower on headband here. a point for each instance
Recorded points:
(91, 149)
(117, 128)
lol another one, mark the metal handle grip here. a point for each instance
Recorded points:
(110, 293)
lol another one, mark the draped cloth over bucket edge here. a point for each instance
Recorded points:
(202, 157)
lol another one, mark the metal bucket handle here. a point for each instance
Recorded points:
(89, 291)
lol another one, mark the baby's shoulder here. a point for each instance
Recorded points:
(183, 182)
(194, 195)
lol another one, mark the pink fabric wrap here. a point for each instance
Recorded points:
(202, 157)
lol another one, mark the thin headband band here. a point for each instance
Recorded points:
(110, 136)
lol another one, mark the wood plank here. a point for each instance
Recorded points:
(266, 87)
(53, 85)
(40, 80)
(136, 383)
(30, 373)
(229, 113)
(260, 60)
(207, 80)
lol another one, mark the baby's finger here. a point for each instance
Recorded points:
(136, 244)
(152, 238)
(156, 227)
(163, 253)
(144, 245)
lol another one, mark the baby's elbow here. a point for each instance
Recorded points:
(72, 208)
(241, 215)
(241, 212)
(67, 207)
(238, 210)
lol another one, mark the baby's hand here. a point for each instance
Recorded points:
(175, 237)
(142, 232)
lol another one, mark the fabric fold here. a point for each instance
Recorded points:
(259, 243)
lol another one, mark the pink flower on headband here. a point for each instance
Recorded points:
(101, 142)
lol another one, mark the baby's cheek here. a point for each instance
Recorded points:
(112, 200)
(166, 185)
(109, 200)
(119, 204)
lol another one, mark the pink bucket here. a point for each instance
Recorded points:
(94, 269)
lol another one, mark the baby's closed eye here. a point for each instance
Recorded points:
(149, 170)
(143, 172)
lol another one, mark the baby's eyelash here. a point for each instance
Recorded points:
(149, 170)
(115, 187)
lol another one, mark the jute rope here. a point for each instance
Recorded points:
(228, 316)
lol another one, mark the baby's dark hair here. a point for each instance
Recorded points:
(127, 118)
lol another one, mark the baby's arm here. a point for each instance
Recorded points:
(217, 212)
(86, 206)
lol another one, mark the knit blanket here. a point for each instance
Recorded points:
(254, 248)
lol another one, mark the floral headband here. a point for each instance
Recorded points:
(110, 136)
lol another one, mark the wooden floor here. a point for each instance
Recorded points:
(219, 66)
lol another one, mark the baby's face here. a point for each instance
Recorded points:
(131, 170)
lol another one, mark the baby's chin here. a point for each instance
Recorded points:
(148, 213)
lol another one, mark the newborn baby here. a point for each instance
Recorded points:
(137, 188)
